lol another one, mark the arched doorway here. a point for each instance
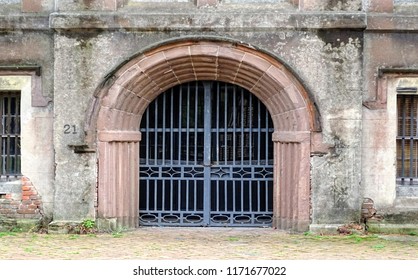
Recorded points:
(120, 103)
(206, 158)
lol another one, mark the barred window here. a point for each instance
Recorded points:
(10, 134)
(407, 140)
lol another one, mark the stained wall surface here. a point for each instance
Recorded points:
(334, 49)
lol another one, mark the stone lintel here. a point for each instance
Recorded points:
(244, 21)
(27, 22)
(392, 22)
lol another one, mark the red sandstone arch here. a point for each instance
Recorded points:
(119, 106)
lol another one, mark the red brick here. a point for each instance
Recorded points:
(26, 188)
(25, 197)
(27, 184)
(28, 193)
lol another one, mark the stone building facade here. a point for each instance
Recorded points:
(337, 78)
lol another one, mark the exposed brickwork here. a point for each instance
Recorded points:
(24, 205)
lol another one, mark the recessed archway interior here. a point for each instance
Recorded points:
(206, 158)
(120, 104)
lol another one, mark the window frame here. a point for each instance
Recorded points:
(10, 130)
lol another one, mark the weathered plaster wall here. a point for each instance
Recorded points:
(392, 53)
(335, 59)
(328, 62)
(33, 48)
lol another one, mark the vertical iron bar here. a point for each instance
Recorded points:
(187, 196)
(155, 195)
(156, 121)
(8, 159)
(18, 133)
(188, 126)
(234, 106)
(234, 195)
(266, 136)
(171, 147)
(415, 128)
(242, 125)
(217, 159)
(411, 143)
(180, 122)
(250, 190)
(196, 111)
(163, 130)
(207, 150)
(217, 195)
(250, 133)
(2, 130)
(403, 107)
(147, 143)
(259, 133)
(226, 125)
(258, 196)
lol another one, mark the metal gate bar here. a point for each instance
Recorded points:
(202, 161)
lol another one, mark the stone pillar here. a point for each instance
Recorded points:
(380, 6)
(118, 189)
(291, 195)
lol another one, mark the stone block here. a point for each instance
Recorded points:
(106, 225)
(380, 6)
(203, 3)
(31, 6)
(28, 225)
(63, 227)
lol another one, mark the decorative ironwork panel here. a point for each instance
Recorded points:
(206, 158)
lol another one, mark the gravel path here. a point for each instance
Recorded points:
(206, 243)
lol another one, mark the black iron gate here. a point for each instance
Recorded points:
(206, 158)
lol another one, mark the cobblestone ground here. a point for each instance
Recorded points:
(206, 243)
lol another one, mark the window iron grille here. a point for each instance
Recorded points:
(407, 139)
(10, 135)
